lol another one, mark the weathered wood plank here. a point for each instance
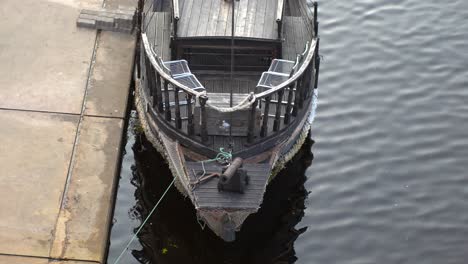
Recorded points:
(213, 17)
(225, 6)
(204, 18)
(194, 18)
(250, 20)
(269, 25)
(183, 22)
(260, 18)
(242, 16)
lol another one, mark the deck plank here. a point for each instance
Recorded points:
(250, 20)
(208, 196)
(270, 25)
(222, 18)
(194, 18)
(213, 18)
(259, 18)
(204, 17)
(242, 16)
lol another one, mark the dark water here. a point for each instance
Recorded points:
(389, 181)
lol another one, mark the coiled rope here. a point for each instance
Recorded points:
(144, 222)
(222, 157)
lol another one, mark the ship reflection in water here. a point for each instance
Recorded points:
(173, 235)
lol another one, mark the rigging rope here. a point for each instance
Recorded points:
(232, 71)
(144, 222)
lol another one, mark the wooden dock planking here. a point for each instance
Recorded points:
(201, 18)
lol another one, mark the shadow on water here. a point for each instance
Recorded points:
(173, 235)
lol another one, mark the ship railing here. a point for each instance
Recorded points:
(287, 98)
(282, 103)
(167, 93)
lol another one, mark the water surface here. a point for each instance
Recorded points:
(389, 182)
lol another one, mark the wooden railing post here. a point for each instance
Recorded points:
(156, 94)
(277, 123)
(149, 76)
(287, 114)
(178, 119)
(159, 98)
(297, 95)
(252, 119)
(300, 92)
(203, 129)
(167, 106)
(308, 74)
(264, 131)
(317, 64)
(190, 125)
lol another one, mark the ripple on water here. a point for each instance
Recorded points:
(388, 183)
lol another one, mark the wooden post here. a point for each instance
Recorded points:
(264, 131)
(280, 28)
(315, 19)
(308, 80)
(317, 64)
(300, 92)
(157, 86)
(160, 93)
(287, 114)
(277, 123)
(176, 25)
(204, 131)
(190, 125)
(167, 106)
(178, 119)
(297, 95)
(149, 76)
(252, 117)
(176, 16)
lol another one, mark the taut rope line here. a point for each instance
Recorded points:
(144, 222)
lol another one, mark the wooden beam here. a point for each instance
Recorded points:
(190, 126)
(279, 17)
(277, 123)
(264, 131)
(178, 120)
(176, 16)
(252, 116)
(175, 5)
(204, 131)
(167, 106)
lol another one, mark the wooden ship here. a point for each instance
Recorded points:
(226, 90)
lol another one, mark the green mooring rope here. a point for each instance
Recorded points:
(144, 222)
(222, 157)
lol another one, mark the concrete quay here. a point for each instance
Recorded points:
(63, 100)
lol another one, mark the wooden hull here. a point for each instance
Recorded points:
(222, 212)
(200, 92)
